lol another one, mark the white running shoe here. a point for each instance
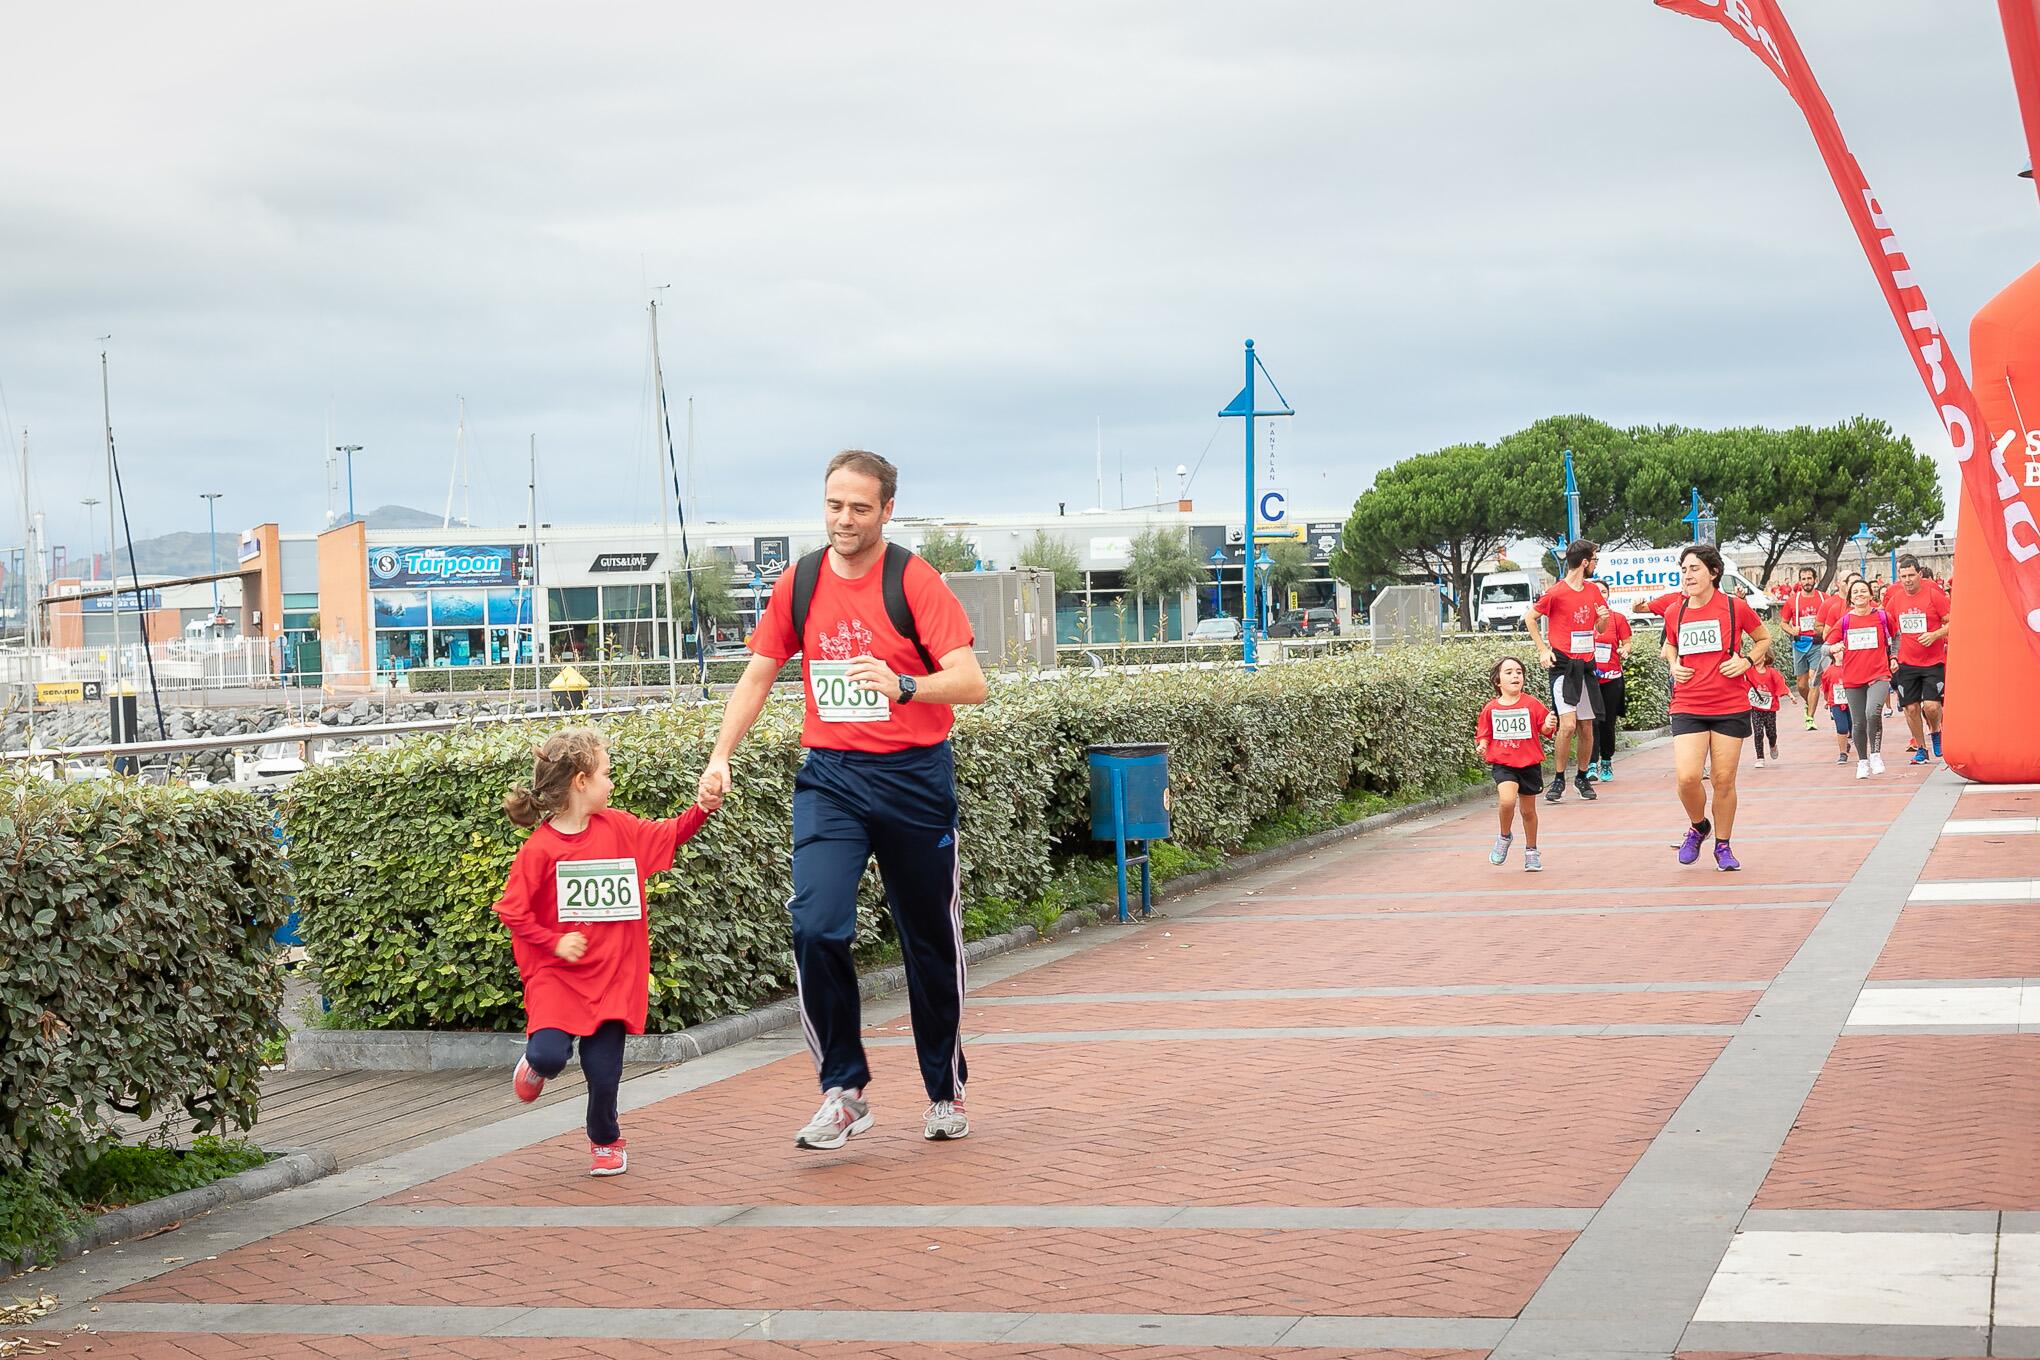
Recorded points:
(1876, 763)
(841, 1118)
(1862, 769)
(1760, 762)
(945, 1120)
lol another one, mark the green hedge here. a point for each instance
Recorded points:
(399, 853)
(136, 969)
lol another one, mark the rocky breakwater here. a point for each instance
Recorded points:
(87, 724)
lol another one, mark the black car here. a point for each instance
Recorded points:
(1317, 622)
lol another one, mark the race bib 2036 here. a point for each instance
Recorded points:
(838, 698)
(597, 890)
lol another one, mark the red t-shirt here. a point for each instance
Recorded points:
(1866, 647)
(1804, 614)
(1832, 686)
(612, 981)
(1608, 647)
(1569, 616)
(1914, 615)
(846, 620)
(1513, 750)
(1704, 636)
(1767, 691)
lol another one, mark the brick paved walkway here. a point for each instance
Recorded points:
(1384, 1100)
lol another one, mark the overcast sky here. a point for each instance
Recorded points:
(959, 235)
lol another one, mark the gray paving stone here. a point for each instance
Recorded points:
(1874, 1220)
(1835, 1339)
(1399, 1332)
(694, 1324)
(1150, 1329)
(1341, 993)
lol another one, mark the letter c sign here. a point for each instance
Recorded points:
(1274, 507)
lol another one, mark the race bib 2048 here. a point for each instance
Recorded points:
(1511, 724)
(838, 698)
(1699, 636)
(597, 890)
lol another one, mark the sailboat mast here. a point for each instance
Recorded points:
(112, 534)
(674, 630)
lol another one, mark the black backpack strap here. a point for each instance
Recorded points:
(807, 573)
(896, 607)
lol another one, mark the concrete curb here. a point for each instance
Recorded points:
(330, 1050)
(294, 1167)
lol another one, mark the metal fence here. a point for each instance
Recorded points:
(179, 664)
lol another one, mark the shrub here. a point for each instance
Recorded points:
(399, 854)
(135, 962)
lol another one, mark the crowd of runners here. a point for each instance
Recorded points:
(1861, 654)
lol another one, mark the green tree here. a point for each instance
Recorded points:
(1603, 461)
(1290, 566)
(948, 550)
(1049, 553)
(1161, 562)
(1871, 477)
(1438, 514)
(714, 591)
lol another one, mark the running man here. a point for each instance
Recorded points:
(1919, 612)
(1803, 615)
(885, 653)
(1710, 706)
(1564, 621)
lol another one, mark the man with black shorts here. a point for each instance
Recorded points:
(1564, 621)
(1919, 612)
(885, 653)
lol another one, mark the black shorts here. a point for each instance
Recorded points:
(1528, 779)
(1735, 725)
(1915, 683)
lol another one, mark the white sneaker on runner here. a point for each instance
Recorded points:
(945, 1120)
(1876, 763)
(841, 1118)
(1862, 769)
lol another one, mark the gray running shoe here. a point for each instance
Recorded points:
(841, 1118)
(1533, 862)
(1500, 853)
(945, 1120)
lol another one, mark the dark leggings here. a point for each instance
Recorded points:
(1615, 701)
(1764, 723)
(601, 1063)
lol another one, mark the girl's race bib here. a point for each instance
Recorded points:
(838, 698)
(597, 890)
(1863, 640)
(1913, 623)
(1604, 654)
(1511, 724)
(1700, 636)
(1760, 698)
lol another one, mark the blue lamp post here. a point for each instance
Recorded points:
(1261, 564)
(757, 591)
(1243, 407)
(1863, 536)
(1217, 600)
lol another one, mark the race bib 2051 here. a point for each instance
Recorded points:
(1913, 623)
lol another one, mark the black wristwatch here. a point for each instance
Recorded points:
(907, 689)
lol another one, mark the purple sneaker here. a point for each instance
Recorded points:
(1724, 858)
(1689, 848)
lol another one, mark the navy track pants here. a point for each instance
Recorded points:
(547, 1050)
(848, 807)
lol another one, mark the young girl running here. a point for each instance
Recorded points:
(1837, 698)
(575, 906)
(1861, 641)
(1767, 696)
(1509, 733)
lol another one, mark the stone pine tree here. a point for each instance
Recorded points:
(1159, 563)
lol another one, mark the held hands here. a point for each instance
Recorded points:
(714, 784)
(1736, 664)
(572, 946)
(871, 673)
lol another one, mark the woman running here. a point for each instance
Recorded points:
(1710, 707)
(1861, 641)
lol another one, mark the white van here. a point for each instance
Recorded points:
(1634, 576)
(1502, 600)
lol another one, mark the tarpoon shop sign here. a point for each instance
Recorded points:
(424, 568)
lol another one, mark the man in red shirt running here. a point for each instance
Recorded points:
(1564, 621)
(1919, 612)
(885, 652)
(1804, 616)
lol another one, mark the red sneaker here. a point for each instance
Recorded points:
(525, 1082)
(611, 1160)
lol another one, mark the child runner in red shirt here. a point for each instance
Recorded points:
(1837, 696)
(1509, 734)
(1767, 697)
(575, 906)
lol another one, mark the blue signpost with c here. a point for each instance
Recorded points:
(1243, 407)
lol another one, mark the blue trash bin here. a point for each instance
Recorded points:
(1130, 803)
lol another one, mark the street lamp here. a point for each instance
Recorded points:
(91, 539)
(1217, 602)
(212, 538)
(350, 450)
(1261, 564)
